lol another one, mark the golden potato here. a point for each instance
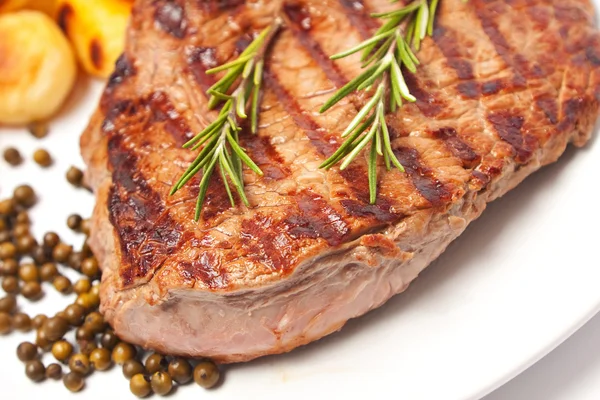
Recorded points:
(45, 6)
(37, 67)
(97, 30)
(12, 5)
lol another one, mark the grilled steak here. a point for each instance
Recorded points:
(503, 87)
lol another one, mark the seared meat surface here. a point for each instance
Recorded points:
(503, 87)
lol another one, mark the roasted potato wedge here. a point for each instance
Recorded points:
(97, 30)
(37, 67)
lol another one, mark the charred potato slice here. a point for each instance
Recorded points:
(97, 30)
(37, 67)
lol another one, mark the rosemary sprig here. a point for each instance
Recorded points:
(218, 142)
(384, 56)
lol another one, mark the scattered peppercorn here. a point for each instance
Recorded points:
(101, 359)
(38, 129)
(74, 221)
(62, 284)
(180, 370)
(75, 176)
(80, 363)
(22, 322)
(206, 374)
(42, 158)
(140, 385)
(54, 371)
(35, 370)
(161, 383)
(73, 381)
(27, 351)
(12, 156)
(133, 367)
(24, 195)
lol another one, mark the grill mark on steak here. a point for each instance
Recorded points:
(359, 17)
(206, 268)
(262, 152)
(124, 68)
(199, 60)
(316, 219)
(446, 41)
(162, 110)
(428, 104)
(431, 188)
(147, 234)
(214, 6)
(381, 212)
(170, 16)
(459, 149)
(509, 128)
(297, 17)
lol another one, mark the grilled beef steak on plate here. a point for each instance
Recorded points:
(503, 88)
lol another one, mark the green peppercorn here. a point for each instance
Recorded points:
(9, 267)
(12, 156)
(24, 195)
(28, 272)
(22, 322)
(161, 383)
(140, 385)
(6, 324)
(101, 359)
(10, 284)
(133, 367)
(54, 371)
(83, 285)
(62, 284)
(109, 340)
(7, 250)
(206, 374)
(75, 260)
(84, 333)
(8, 304)
(73, 381)
(88, 300)
(48, 271)
(180, 370)
(123, 352)
(87, 346)
(55, 328)
(74, 314)
(74, 221)
(35, 370)
(27, 351)
(89, 267)
(62, 350)
(62, 252)
(80, 363)
(156, 362)
(51, 239)
(95, 322)
(42, 158)
(32, 290)
(74, 176)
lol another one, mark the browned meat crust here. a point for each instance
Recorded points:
(503, 88)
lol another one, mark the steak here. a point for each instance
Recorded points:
(503, 87)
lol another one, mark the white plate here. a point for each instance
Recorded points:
(520, 280)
